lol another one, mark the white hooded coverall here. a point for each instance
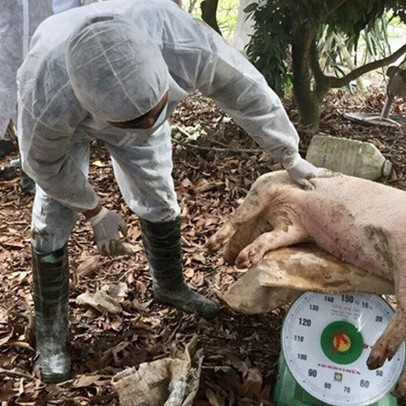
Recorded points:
(18, 21)
(62, 105)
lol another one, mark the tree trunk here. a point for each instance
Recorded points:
(309, 108)
(307, 100)
(209, 10)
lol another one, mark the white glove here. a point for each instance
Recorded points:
(302, 171)
(106, 226)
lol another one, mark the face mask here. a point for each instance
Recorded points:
(158, 122)
(161, 118)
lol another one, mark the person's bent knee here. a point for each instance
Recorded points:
(161, 215)
(44, 242)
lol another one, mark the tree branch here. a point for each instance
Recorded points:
(332, 7)
(340, 82)
(15, 373)
(320, 78)
(232, 150)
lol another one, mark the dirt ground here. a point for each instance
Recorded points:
(212, 174)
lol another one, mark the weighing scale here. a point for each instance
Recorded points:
(326, 341)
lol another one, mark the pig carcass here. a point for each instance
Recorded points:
(358, 221)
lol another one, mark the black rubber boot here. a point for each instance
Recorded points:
(51, 294)
(163, 250)
(27, 184)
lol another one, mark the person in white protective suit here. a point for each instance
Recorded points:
(116, 71)
(62, 5)
(18, 21)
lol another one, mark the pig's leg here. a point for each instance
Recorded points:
(252, 205)
(389, 342)
(280, 237)
(395, 332)
(401, 389)
(244, 236)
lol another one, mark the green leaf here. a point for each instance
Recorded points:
(251, 7)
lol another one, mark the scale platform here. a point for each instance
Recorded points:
(326, 341)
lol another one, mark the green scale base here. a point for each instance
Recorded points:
(288, 392)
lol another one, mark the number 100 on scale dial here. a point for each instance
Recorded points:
(326, 341)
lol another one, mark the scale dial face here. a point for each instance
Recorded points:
(326, 341)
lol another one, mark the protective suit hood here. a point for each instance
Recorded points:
(116, 71)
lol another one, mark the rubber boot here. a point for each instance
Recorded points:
(27, 184)
(51, 294)
(162, 246)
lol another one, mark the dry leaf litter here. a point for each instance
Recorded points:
(212, 172)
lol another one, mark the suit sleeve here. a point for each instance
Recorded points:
(241, 91)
